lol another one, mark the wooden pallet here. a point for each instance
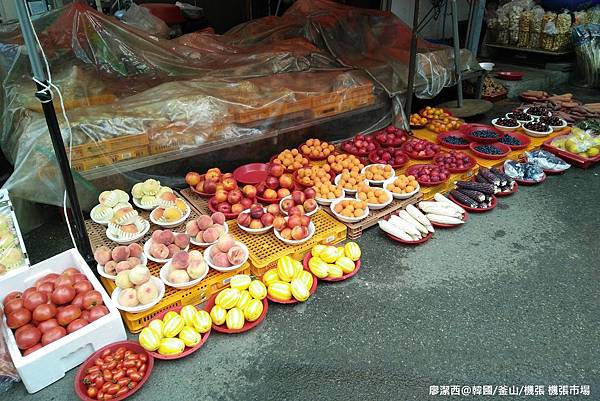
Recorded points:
(355, 230)
(108, 147)
(90, 163)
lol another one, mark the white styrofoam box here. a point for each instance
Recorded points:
(50, 363)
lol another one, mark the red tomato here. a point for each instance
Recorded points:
(68, 314)
(18, 318)
(63, 294)
(122, 391)
(44, 312)
(32, 349)
(53, 334)
(12, 305)
(33, 299)
(76, 325)
(136, 377)
(91, 299)
(92, 392)
(28, 337)
(112, 390)
(11, 296)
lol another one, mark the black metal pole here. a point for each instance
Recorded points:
(413, 60)
(77, 223)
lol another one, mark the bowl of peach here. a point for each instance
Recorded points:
(327, 193)
(350, 180)
(315, 149)
(376, 174)
(350, 210)
(376, 198)
(402, 186)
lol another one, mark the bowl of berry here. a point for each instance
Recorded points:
(538, 111)
(492, 151)
(484, 133)
(360, 145)
(453, 140)
(555, 122)
(420, 149)
(515, 141)
(506, 124)
(520, 116)
(455, 161)
(391, 137)
(537, 129)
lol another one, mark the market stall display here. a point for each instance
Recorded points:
(390, 137)
(331, 264)
(402, 186)
(475, 196)
(163, 244)
(203, 231)
(300, 202)
(184, 270)
(145, 194)
(393, 156)
(550, 163)
(111, 262)
(137, 290)
(257, 220)
(564, 105)
(226, 255)
(420, 149)
(409, 226)
(360, 145)
(289, 283)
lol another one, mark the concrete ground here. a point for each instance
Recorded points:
(511, 298)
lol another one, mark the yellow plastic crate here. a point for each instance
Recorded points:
(211, 284)
(266, 249)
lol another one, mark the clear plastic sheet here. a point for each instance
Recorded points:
(524, 171)
(131, 96)
(8, 373)
(547, 161)
(141, 18)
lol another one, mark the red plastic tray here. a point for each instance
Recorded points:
(529, 182)
(395, 166)
(572, 158)
(187, 350)
(203, 194)
(416, 157)
(457, 133)
(475, 209)
(313, 289)
(508, 193)
(228, 216)
(472, 163)
(247, 325)
(419, 242)
(80, 388)
(525, 140)
(251, 174)
(441, 225)
(411, 169)
(307, 258)
(498, 145)
(510, 75)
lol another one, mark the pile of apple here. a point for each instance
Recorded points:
(137, 289)
(58, 305)
(420, 148)
(294, 226)
(277, 185)
(209, 182)
(391, 137)
(119, 259)
(304, 201)
(391, 156)
(360, 145)
(230, 199)
(429, 173)
(258, 217)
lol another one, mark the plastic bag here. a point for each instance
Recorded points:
(189, 11)
(142, 18)
(524, 171)
(8, 373)
(547, 161)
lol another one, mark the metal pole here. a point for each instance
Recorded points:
(455, 34)
(77, 222)
(413, 59)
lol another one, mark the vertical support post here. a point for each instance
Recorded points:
(413, 59)
(78, 225)
(455, 34)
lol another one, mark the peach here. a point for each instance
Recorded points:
(124, 265)
(166, 237)
(122, 280)
(214, 251)
(236, 255)
(180, 260)
(120, 253)
(159, 251)
(147, 293)
(181, 240)
(139, 275)
(133, 261)
(196, 269)
(128, 297)
(220, 229)
(111, 267)
(298, 233)
(210, 235)
(204, 222)
(156, 236)
(102, 255)
(173, 249)
(199, 236)
(135, 250)
(220, 259)
(218, 218)
(191, 228)
(286, 233)
(178, 276)
(226, 242)
(195, 255)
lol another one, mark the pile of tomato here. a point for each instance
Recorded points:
(114, 373)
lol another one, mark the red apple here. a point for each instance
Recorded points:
(286, 181)
(267, 219)
(244, 219)
(213, 202)
(256, 211)
(294, 221)
(224, 208)
(276, 170)
(283, 192)
(270, 194)
(273, 208)
(229, 184)
(246, 203)
(210, 187)
(192, 178)
(286, 233)
(310, 193)
(256, 224)
(221, 196)
(272, 182)
(279, 223)
(213, 174)
(304, 221)
(200, 186)
(298, 197)
(249, 191)
(297, 210)
(237, 208)
(234, 196)
(260, 188)
(226, 175)
(298, 233)
(287, 204)
(309, 205)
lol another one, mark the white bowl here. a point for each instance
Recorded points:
(311, 231)
(101, 222)
(344, 218)
(327, 202)
(537, 134)
(104, 274)
(164, 273)
(140, 308)
(286, 213)
(559, 127)
(377, 182)
(210, 263)
(487, 66)
(549, 113)
(147, 246)
(503, 128)
(205, 244)
(400, 196)
(254, 231)
(121, 241)
(377, 206)
(173, 224)
(520, 121)
(346, 190)
(139, 205)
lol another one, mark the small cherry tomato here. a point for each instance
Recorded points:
(92, 369)
(120, 350)
(99, 362)
(118, 376)
(132, 384)
(111, 365)
(130, 371)
(106, 353)
(92, 392)
(106, 386)
(142, 368)
(122, 391)
(128, 352)
(112, 390)
(124, 382)
(136, 377)
(143, 358)
(99, 382)
(129, 364)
